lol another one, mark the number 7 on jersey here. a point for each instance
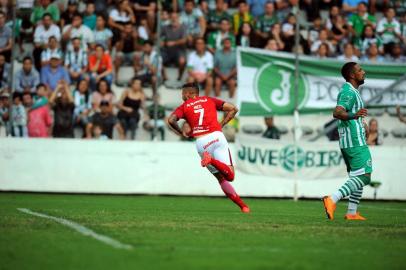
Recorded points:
(201, 114)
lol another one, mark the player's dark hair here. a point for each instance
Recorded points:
(192, 85)
(347, 69)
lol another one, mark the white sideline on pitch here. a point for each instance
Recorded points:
(80, 228)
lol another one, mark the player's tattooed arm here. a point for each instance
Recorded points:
(230, 111)
(173, 124)
(341, 114)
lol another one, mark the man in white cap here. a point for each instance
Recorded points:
(54, 72)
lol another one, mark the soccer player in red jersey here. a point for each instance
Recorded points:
(200, 113)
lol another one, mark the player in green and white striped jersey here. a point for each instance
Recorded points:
(352, 129)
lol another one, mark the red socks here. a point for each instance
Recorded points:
(224, 169)
(231, 194)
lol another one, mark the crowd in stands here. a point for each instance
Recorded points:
(79, 47)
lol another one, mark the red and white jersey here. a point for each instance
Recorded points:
(201, 114)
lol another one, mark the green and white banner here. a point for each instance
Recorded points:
(274, 158)
(266, 83)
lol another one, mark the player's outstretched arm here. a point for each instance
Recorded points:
(341, 114)
(230, 111)
(172, 122)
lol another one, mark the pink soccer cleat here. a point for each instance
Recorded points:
(206, 159)
(245, 209)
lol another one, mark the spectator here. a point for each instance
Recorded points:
(351, 6)
(242, 16)
(69, 13)
(89, 18)
(149, 122)
(173, 45)
(19, 117)
(288, 32)
(349, 55)
(192, 18)
(312, 8)
(126, 48)
(396, 54)
(44, 7)
(265, 22)
(323, 38)
(339, 30)
(5, 37)
(375, 136)
(52, 49)
(77, 29)
(148, 66)
(146, 9)
(389, 29)
(200, 66)
(103, 93)
(401, 117)
(276, 35)
(323, 51)
(314, 30)
(40, 97)
(257, 7)
(100, 67)
(106, 120)
(42, 34)
(369, 37)
(333, 13)
(52, 73)
(123, 13)
(76, 60)
(102, 35)
(215, 39)
(271, 132)
(225, 62)
(83, 104)
(62, 104)
(4, 111)
(97, 133)
(245, 36)
(143, 30)
(4, 73)
(215, 16)
(271, 45)
(131, 101)
(373, 55)
(39, 120)
(284, 8)
(27, 78)
(357, 21)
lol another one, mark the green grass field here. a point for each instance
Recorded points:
(197, 233)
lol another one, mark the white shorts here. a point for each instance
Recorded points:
(217, 146)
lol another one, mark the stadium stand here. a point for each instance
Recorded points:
(122, 27)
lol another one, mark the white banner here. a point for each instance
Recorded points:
(274, 158)
(124, 167)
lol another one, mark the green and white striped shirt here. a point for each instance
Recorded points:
(352, 132)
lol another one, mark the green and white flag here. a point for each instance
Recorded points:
(266, 83)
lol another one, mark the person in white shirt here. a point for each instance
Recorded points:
(77, 29)
(200, 66)
(389, 28)
(349, 55)
(41, 37)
